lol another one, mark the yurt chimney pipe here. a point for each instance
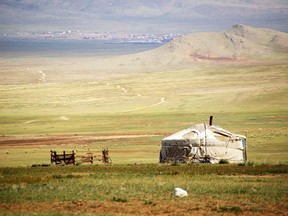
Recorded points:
(211, 121)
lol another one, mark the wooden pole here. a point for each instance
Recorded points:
(73, 157)
(211, 121)
(51, 157)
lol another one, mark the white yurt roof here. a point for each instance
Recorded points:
(198, 130)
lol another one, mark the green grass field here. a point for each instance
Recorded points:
(129, 114)
(246, 99)
(144, 189)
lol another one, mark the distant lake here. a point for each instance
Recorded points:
(52, 48)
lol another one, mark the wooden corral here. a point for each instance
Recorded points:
(62, 158)
(86, 158)
(73, 158)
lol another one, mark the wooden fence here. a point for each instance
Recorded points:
(85, 158)
(72, 158)
(105, 156)
(62, 158)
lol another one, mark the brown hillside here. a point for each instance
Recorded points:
(238, 43)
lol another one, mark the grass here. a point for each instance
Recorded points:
(266, 136)
(248, 100)
(208, 89)
(141, 109)
(235, 209)
(123, 182)
(250, 187)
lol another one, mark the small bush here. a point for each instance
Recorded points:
(119, 199)
(250, 163)
(223, 208)
(223, 161)
(149, 203)
(40, 165)
(235, 209)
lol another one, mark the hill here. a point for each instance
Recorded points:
(147, 16)
(239, 43)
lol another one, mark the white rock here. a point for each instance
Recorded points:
(178, 192)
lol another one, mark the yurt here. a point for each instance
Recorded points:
(204, 143)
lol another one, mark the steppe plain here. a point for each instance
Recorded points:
(128, 104)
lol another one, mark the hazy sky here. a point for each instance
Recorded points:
(135, 16)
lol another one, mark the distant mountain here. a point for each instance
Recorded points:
(239, 43)
(149, 16)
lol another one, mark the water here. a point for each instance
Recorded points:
(52, 48)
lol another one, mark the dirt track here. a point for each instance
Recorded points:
(63, 139)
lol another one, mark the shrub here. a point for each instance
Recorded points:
(119, 199)
(235, 209)
(223, 161)
(250, 163)
(149, 203)
(40, 165)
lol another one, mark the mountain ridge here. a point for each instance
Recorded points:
(239, 43)
(181, 16)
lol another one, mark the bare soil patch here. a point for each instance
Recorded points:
(30, 140)
(142, 207)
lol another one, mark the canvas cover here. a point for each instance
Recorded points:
(204, 143)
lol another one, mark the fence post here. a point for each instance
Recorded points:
(51, 156)
(211, 121)
(73, 157)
